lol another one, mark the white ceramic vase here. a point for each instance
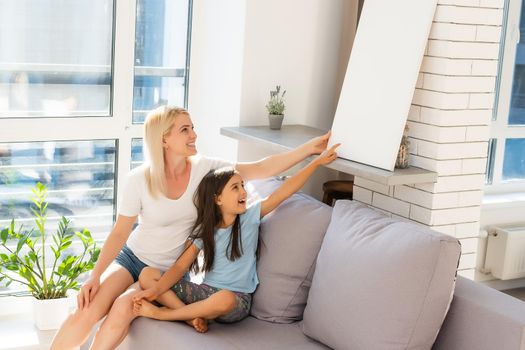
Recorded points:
(50, 313)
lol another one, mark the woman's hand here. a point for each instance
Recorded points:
(88, 291)
(149, 294)
(328, 156)
(318, 145)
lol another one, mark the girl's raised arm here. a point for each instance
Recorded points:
(295, 182)
(276, 164)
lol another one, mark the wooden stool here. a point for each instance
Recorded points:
(337, 189)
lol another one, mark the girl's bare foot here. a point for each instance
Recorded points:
(200, 324)
(145, 308)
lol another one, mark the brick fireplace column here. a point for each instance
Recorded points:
(449, 125)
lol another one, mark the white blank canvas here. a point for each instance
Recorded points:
(380, 80)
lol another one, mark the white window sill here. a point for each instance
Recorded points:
(503, 200)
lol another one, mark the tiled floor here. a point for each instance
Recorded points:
(17, 332)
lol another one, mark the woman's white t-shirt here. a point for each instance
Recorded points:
(163, 224)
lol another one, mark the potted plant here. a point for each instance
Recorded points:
(24, 259)
(275, 107)
(403, 152)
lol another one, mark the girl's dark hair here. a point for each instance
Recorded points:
(209, 217)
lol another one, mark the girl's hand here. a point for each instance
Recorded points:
(87, 292)
(148, 294)
(328, 156)
(318, 145)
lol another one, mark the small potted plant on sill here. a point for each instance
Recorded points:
(23, 259)
(276, 107)
(403, 152)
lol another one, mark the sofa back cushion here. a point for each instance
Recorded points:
(291, 237)
(380, 283)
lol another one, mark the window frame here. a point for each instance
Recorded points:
(500, 130)
(118, 124)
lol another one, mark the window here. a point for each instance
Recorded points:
(506, 161)
(75, 88)
(137, 156)
(161, 55)
(50, 65)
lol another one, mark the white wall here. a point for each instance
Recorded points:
(302, 45)
(296, 44)
(504, 214)
(217, 51)
(243, 48)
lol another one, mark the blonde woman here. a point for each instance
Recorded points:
(159, 194)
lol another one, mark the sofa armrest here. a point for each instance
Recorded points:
(482, 318)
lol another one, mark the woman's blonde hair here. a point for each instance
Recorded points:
(158, 125)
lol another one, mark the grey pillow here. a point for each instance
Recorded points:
(291, 237)
(380, 283)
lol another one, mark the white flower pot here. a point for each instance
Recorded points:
(50, 313)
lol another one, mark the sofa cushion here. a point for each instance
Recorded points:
(250, 333)
(380, 283)
(291, 237)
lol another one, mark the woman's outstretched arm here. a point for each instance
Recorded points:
(276, 164)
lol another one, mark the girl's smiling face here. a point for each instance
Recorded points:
(232, 199)
(181, 138)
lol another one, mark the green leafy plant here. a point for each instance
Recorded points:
(276, 103)
(24, 260)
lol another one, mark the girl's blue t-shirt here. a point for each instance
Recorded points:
(239, 275)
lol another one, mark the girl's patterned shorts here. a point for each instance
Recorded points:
(189, 292)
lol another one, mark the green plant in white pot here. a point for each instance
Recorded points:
(24, 259)
(276, 107)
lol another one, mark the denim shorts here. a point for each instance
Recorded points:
(130, 262)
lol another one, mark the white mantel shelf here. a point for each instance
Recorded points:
(291, 136)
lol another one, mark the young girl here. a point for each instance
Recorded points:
(227, 232)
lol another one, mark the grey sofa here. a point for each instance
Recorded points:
(478, 318)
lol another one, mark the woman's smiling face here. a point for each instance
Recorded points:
(181, 139)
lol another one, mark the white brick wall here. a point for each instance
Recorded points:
(468, 15)
(485, 67)
(489, 34)
(481, 101)
(447, 66)
(458, 83)
(449, 125)
(454, 183)
(461, 49)
(362, 194)
(477, 133)
(444, 151)
(436, 133)
(459, 117)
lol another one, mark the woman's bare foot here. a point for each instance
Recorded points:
(200, 324)
(145, 308)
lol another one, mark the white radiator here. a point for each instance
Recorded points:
(506, 252)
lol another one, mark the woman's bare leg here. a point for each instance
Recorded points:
(77, 327)
(116, 325)
(218, 304)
